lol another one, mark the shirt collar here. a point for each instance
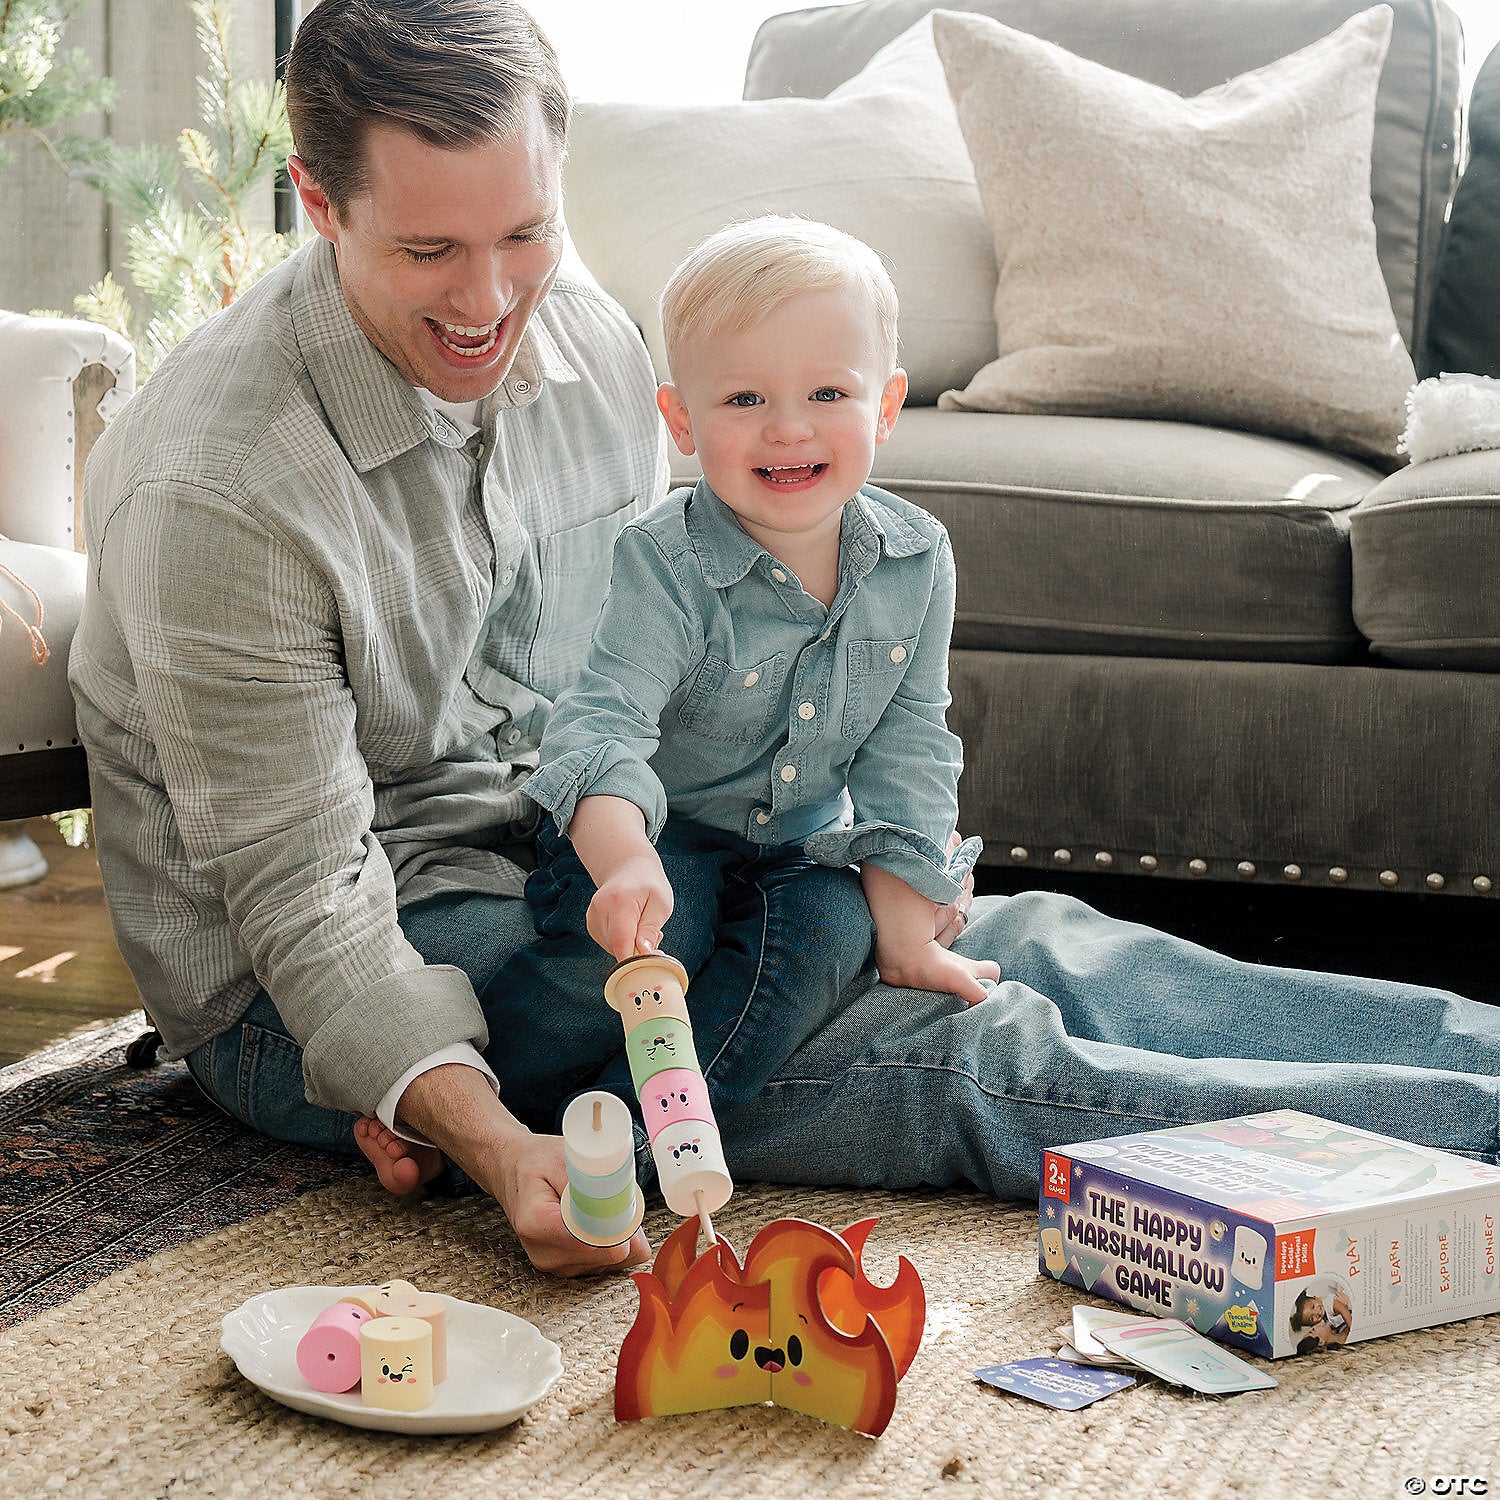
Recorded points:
(373, 412)
(726, 552)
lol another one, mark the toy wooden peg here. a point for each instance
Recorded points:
(601, 1205)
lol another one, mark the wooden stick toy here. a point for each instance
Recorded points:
(649, 994)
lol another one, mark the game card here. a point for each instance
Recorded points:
(1054, 1382)
(1169, 1348)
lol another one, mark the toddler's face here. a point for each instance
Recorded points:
(785, 416)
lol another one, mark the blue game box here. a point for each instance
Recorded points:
(1278, 1233)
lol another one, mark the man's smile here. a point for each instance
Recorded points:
(466, 340)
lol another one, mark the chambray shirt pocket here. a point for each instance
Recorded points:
(732, 703)
(874, 672)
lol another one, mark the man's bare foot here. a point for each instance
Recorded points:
(401, 1166)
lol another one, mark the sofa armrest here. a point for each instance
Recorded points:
(1425, 546)
(60, 379)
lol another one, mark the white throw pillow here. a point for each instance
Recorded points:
(1209, 259)
(881, 157)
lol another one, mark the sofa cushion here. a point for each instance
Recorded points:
(1132, 538)
(1465, 330)
(882, 158)
(1426, 554)
(1187, 46)
(36, 707)
(1208, 259)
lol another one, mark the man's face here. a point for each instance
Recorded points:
(446, 254)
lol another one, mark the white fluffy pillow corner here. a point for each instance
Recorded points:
(882, 157)
(1208, 259)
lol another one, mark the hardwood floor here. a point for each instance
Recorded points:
(60, 971)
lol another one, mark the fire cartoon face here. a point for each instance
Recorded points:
(693, 1343)
(798, 1323)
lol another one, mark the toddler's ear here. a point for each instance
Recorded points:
(890, 405)
(670, 404)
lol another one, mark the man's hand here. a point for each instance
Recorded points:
(631, 907)
(455, 1108)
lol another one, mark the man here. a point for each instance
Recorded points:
(347, 545)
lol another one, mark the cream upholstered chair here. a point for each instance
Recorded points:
(59, 381)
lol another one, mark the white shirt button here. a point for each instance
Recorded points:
(778, 575)
(789, 773)
(898, 653)
(513, 736)
(507, 575)
(751, 678)
(522, 386)
(805, 711)
(762, 817)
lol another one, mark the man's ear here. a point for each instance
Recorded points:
(890, 405)
(314, 200)
(670, 404)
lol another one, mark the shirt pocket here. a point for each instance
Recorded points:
(573, 567)
(733, 704)
(875, 672)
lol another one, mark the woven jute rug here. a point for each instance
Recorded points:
(123, 1391)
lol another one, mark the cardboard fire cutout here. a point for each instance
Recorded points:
(796, 1323)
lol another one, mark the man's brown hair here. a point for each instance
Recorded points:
(453, 72)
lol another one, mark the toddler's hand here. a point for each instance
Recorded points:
(630, 909)
(930, 966)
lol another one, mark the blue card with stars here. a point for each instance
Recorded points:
(1054, 1382)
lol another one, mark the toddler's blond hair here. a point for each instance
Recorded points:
(743, 273)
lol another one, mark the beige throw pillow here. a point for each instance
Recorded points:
(1208, 259)
(881, 157)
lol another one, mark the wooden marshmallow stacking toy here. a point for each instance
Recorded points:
(389, 1340)
(602, 1204)
(649, 994)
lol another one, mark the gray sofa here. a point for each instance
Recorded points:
(1191, 652)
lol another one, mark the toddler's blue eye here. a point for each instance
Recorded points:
(744, 398)
(827, 393)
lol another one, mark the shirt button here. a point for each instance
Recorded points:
(789, 773)
(778, 575)
(751, 678)
(523, 386)
(513, 736)
(762, 817)
(507, 575)
(898, 653)
(805, 711)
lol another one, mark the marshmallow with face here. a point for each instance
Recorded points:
(396, 1364)
(691, 1168)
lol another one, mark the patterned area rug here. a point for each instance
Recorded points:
(106, 1164)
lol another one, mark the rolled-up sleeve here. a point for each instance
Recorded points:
(235, 643)
(605, 728)
(903, 781)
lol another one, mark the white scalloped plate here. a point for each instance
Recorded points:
(499, 1365)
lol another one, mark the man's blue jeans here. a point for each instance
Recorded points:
(1099, 1027)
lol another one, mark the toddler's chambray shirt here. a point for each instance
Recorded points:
(717, 687)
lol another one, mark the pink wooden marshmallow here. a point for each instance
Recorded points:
(328, 1353)
(674, 1095)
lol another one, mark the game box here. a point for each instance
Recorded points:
(1278, 1233)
